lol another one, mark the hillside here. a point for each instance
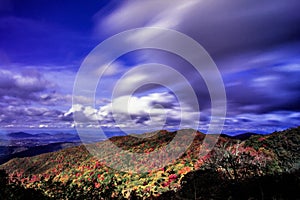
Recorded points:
(73, 173)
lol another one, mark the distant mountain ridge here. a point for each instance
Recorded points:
(20, 135)
(242, 136)
(33, 151)
(22, 144)
(29, 135)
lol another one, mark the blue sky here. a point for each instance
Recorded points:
(255, 45)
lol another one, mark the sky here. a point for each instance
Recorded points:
(254, 44)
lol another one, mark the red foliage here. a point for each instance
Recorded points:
(173, 177)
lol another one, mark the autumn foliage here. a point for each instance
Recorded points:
(74, 173)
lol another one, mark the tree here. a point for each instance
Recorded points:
(236, 162)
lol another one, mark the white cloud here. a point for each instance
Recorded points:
(265, 80)
(43, 126)
(149, 111)
(294, 67)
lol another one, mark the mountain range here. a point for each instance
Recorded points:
(22, 144)
(233, 165)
